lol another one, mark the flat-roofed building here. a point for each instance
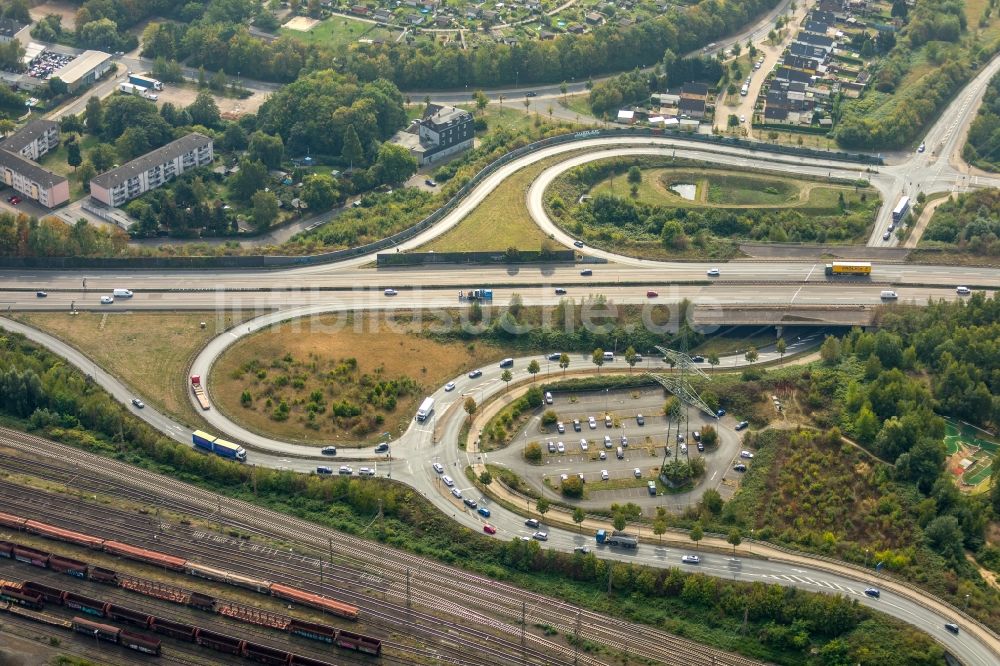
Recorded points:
(152, 170)
(84, 69)
(19, 171)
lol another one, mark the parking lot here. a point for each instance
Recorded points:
(45, 63)
(643, 448)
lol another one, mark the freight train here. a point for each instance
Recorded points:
(150, 645)
(81, 569)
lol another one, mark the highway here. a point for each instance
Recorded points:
(284, 295)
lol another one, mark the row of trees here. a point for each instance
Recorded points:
(424, 65)
(636, 87)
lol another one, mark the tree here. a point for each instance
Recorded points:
(251, 177)
(57, 87)
(697, 533)
(533, 453)
(94, 116)
(527, 104)
(485, 477)
(631, 358)
(481, 100)
(268, 149)
(752, 355)
(102, 157)
(945, 536)
(73, 156)
(85, 174)
(713, 359)
(542, 506)
(564, 362)
(234, 138)
(265, 209)
(533, 368)
(353, 152)
(711, 501)
(505, 377)
(100, 34)
(829, 351)
(619, 521)
(572, 486)
(734, 538)
(634, 175)
(470, 406)
(578, 517)
(598, 359)
(780, 347)
(709, 437)
(17, 10)
(319, 191)
(733, 120)
(660, 524)
(394, 164)
(218, 81)
(7, 126)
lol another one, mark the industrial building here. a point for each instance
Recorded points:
(145, 173)
(85, 69)
(19, 171)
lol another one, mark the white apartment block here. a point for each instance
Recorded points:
(152, 170)
(19, 171)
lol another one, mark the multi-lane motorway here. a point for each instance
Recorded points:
(289, 294)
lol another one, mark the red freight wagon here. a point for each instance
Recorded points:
(317, 632)
(140, 643)
(265, 655)
(31, 556)
(104, 632)
(64, 535)
(315, 600)
(51, 595)
(299, 660)
(12, 521)
(184, 632)
(219, 642)
(15, 594)
(143, 555)
(68, 566)
(202, 602)
(102, 575)
(352, 641)
(129, 616)
(86, 604)
(6, 549)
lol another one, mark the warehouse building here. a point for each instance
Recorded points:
(152, 170)
(84, 70)
(19, 171)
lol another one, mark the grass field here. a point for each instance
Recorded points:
(719, 189)
(149, 352)
(501, 220)
(382, 349)
(338, 31)
(55, 161)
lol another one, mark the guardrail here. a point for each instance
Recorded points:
(268, 261)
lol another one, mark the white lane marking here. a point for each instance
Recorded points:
(810, 273)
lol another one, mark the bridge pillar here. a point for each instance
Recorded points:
(778, 330)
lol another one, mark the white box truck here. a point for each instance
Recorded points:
(122, 293)
(425, 409)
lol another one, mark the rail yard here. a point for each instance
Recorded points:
(421, 611)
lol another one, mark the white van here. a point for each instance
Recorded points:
(609, 356)
(366, 471)
(620, 453)
(963, 291)
(122, 293)
(889, 295)
(548, 398)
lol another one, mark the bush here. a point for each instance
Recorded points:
(572, 487)
(533, 453)
(549, 417)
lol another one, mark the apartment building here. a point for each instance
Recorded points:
(152, 170)
(19, 171)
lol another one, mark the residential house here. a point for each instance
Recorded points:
(593, 18)
(816, 27)
(786, 74)
(443, 131)
(692, 107)
(821, 41)
(382, 15)
(155, 168)
(808, 51)
(22, 174)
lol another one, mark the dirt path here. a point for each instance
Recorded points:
(925, 217)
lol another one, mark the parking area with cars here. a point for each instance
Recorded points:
(616, 442)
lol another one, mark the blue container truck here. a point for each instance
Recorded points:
(218, 446)
(617, 539)
(146, 82)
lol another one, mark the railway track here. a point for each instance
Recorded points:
(123, 527)
(429, 582)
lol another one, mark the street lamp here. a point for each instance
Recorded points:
(866, 558)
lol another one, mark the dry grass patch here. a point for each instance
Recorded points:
(151, 352)
(341, 380)
(501, 220)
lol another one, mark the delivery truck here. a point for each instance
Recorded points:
(218, 446)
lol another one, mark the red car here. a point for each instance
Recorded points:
(651, 294)
(14, 200)
(489, 529)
